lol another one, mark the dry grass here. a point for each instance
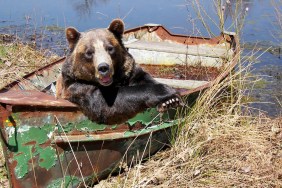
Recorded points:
(3, 173)
(224, 151)
(220, 153)
(18, 59)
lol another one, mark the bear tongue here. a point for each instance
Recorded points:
(106, 79)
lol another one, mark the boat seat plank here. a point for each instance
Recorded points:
(185, 84)
(32, 98)
(197, 50)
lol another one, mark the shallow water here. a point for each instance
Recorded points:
(43, 23)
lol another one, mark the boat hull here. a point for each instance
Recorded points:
(47, 146)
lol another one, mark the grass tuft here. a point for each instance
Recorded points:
(18, 59)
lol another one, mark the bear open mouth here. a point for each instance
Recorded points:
(106, 80)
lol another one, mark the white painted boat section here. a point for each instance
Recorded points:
(186, 84)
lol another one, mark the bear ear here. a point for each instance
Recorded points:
(72, 36)
(117, 27)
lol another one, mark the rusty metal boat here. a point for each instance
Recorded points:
(48, 142)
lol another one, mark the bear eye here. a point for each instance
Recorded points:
(110, 49)
(89, 54)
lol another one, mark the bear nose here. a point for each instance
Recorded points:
(103, 68)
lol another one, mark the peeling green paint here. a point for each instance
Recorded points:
(83, 126)
(47, 157)
(89, 126)
(149, 129)
(114, 127)
(66, 128)
(22, 166)
(147, 117)
(66, 182)
(25, 143)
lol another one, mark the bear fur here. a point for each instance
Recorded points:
(102, 78)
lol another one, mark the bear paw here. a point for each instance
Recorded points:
(170, 103)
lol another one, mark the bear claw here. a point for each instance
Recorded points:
(170, 103)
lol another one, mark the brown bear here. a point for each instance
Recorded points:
(102, 78)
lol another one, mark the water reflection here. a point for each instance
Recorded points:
(235, 7)
(85, 8)
(235, 11)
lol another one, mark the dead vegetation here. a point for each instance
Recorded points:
(3, 173)
(18, 59)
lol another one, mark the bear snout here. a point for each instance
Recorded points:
(103, 69)
(105, 74)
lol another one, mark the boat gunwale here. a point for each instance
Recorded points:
(170, 33)
(109, 136)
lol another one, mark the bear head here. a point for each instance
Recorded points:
(98, 56)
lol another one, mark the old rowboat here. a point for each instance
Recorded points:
(50, 143)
